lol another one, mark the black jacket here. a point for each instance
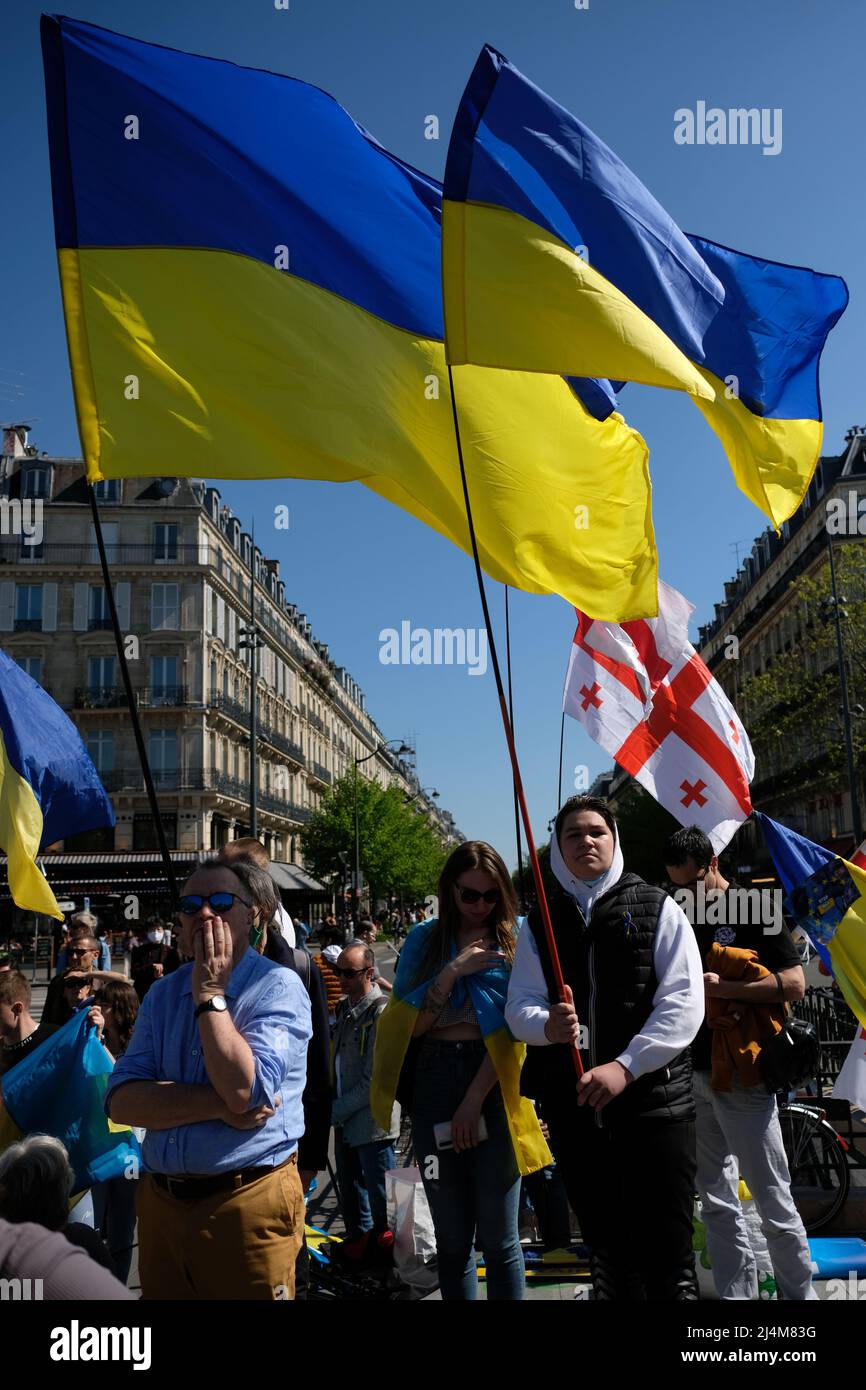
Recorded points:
(609, 967)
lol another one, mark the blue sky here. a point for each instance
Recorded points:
(353, 563)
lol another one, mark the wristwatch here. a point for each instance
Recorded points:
(216, 1005)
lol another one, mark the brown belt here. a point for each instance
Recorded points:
(194, 1189)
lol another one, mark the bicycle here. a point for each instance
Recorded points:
(820, 1159)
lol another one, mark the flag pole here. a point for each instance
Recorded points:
(509, 734)
(561, 742)
(130, 698)
(511, 717)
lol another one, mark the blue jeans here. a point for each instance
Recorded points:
(361, 1170)
(473, 1195)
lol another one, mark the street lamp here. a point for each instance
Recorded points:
(380, 747)
(422, 791)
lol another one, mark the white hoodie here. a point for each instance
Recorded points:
(678, 1003)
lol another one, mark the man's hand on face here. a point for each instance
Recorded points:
(213, 959)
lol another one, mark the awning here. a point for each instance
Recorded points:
(292, 879)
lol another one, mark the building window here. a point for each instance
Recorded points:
(165, 541)
(98, 616)
(35, 482)
(144, 831)
(32, 665)
(164, 607)
(100, 746)
(28, 608)
(108, 490)
(100, 680)
(163, 680)
(30, 549)
(162, 755)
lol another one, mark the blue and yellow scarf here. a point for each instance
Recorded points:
(487, 990)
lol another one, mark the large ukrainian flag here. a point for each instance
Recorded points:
(252, 288)
(488, 990)
(59, 1089)
(556, 258)
(49, 788)
(827, 897)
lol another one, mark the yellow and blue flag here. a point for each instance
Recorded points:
(49, 787)
(826, 896)
(59, 1089)
(556, 258)
(252, 288)
(487, 990)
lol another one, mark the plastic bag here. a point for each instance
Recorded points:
(410, 1220)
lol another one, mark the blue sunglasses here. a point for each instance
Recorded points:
(192, 903)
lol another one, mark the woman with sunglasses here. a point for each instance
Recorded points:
(443, 1042)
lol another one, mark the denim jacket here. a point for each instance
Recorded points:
(354, 1043)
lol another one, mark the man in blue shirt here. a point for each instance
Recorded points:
(215, 1072)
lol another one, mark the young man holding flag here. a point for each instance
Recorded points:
(623, 1135)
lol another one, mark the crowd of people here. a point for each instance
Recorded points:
(237, 1055)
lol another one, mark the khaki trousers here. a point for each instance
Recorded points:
(239, 1244)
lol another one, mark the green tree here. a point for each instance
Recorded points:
(792, 708)
(399, 852)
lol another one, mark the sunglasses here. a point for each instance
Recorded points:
(472, 895)
(81, 951)
(192, 903)
(77, 984)
(338, 970)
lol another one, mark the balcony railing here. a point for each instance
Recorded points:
(58, 553)
(98, 624)
(241, 715)
(28, 624)
(320, 771)
(149, 697)
(164, 697)
(100, 697)
(202, 780)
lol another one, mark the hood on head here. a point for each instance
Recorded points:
(586, 893)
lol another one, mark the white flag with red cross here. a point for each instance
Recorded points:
(642, 692)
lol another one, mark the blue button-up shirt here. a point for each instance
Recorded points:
(270, 1008)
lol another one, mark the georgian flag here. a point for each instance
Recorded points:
(642, 692)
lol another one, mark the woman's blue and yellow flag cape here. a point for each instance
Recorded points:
(487, 990)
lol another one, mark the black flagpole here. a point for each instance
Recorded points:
(511, 717)
(561, 741)
(130, 699)
(509, 734)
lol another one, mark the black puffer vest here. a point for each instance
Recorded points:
(609, 967)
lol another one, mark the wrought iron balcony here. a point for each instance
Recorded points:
(28, 624)
(99, 697)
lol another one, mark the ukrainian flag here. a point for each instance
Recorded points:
(252, 288)
(556, 258)
(49, 787)
(59, 1089)
(827, 898)
(487, 990)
